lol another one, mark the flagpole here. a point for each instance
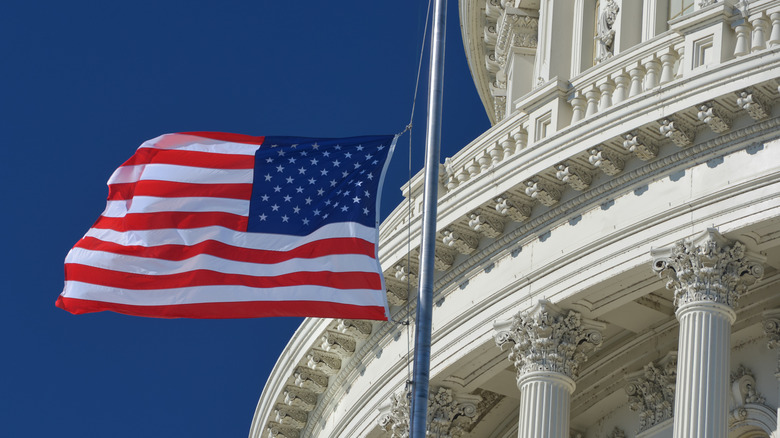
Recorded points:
(422, 343)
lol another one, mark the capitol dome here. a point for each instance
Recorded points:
(608, 252)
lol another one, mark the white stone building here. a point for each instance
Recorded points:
(608, 251)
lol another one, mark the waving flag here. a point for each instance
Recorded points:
(216, 225)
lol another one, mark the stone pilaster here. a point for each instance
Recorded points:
(707, 273)
(549, 344)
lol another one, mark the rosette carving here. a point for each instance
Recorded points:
(707, 268)
(547, 338)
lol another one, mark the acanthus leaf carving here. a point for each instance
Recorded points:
(575, 176)
(609, 162)
(461, 242)
(676, 130)
(338, 343)
(708, 267)
(644, 150)
(518, 211)
(715, 116)
(754, 103)
(543, 192)
(547, 338)
(357, 328)
(485, 224)
(324, 362)
(651, 391)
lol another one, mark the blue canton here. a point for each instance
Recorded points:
(301, 184)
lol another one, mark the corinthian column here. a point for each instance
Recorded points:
(707, 273)
(548, 347)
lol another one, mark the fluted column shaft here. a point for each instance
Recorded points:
(708, 274)
(701, 405)
(545, 399)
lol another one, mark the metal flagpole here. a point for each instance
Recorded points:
(422, 342)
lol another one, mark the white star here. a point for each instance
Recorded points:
(289, 180)
(316, 212)
(380, 148)
(315, 146)
(275, 207)
(333, 183)
(269, 160)
(365, 211)
(359, 147)
(274, 145)
(344, 208)
(375, 162)
(338, 193)
(262, 217)
(277, 189)
(326, 154)
(355, 199)
(302, 170)
(327, 202)
(308, 200)
(320, 192)
(324, 172)
(357, 165)
(346, 193)
(337, 147)
(369, 156)
(348, 155)
(370, 176)
(296, 209)
(268, 177)
(287, 198)
(264, 198)
(344, 174)
(335, 204)
(305, 221)
(312, 180)
(285, 218)
(281, 152)
(314, 161)
(299, 189)
(358, 183)
(362, 171)
(337, 163)
(304, 153)
(291, 160)
(367, 193)
(280, 168)
(325, 215)
(294, 146)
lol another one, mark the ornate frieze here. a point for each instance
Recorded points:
(547, 338)
(575, 176)
(289, 416)
(300, 398)
(357, 328)
(754, 103)
(651, 391)
(485, 224)
(449, 414)
(543, 192)
(337, 343)
(394, 416)
(519, 212)
(676, 130)
(715, 116)
(463, 243)
(609, 162)
(605, 34)
(644, 150)
(321, 361)
(707, 268)
(306, 378)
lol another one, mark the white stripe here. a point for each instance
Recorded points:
(217, 294)
(185, 174)
(152, 267)
(271, 242)
(153, 204)
(183, 142)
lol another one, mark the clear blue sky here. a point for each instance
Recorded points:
(83, 84)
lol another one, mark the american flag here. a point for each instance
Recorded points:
(217, 225)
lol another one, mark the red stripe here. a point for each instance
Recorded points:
(172, 219)
(202, 277)
(227, 136)
(190, 158)
(250, 309)
(168, 189)
(320, 248)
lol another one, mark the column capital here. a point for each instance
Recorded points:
(449, 414)
(707, 268)
(549, 339)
